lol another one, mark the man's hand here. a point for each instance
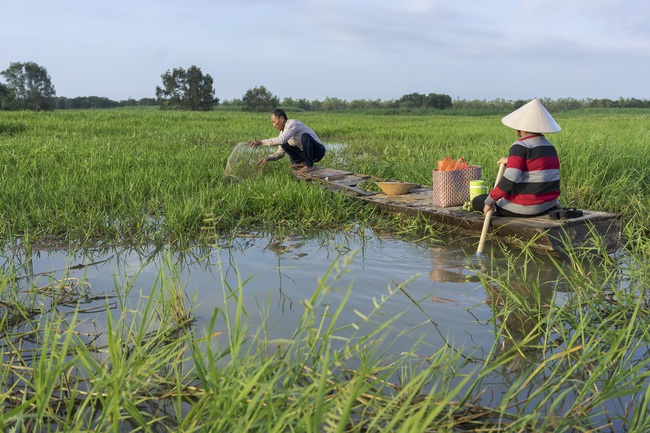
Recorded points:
(254, 143)
(262, 162)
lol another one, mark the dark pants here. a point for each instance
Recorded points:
(478, 203)
(312, 151)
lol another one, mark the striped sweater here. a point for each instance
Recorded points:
(531, 181)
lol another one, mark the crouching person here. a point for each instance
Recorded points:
(296, 139)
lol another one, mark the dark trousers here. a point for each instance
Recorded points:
(312, 151)
(478, 203)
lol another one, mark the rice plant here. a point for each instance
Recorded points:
(573, 355)
(146, 175)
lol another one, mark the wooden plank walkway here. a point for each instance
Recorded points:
(592, 230)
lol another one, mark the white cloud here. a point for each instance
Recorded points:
(360, 49)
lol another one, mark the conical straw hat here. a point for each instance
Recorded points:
(532, 117)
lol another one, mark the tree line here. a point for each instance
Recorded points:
(28, 86)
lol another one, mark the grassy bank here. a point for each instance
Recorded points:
(123, 175)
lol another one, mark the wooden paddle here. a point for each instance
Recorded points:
(488, 216)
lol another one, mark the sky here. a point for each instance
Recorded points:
(346, 49)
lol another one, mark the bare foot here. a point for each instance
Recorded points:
(305, 169)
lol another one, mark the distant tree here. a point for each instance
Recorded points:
(432, 100)
(147, 102)
(564, 104)
(200, 93)
(304, 104)
(259, 100)
(391, 104)
(374, 104)
(30, 87)
(5, 97)
(437, 101)
(316, 105)
(357, 104)
(602, 103)
(171, 94)
(412, 100)
(633, 103)
(334, 104)
(232, 103)
(129, 102)
(288, 102)
(63, 103)
(519, 103)
(99, 102)
(188, 90)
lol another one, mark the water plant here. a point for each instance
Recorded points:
(572, 358)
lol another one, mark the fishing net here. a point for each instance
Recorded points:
(242, 162)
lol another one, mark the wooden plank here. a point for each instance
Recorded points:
(338, 179)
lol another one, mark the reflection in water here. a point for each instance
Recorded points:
(443, 295)
(449, 264)
(282, 271)
(519, 310)
(286, 245)
(446, 276)
(282, 247)
(520, 292)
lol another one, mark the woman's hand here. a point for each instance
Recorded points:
(487, 209)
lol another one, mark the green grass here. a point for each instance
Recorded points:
(573, 361)
(142, 175)
(575, 364)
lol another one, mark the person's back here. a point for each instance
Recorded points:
(531, 181)
(530, 184)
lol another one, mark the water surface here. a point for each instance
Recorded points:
(437, 297)
(435, 288)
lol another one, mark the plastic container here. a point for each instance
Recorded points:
(476, 188)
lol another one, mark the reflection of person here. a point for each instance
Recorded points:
(296, 139)
(519, 311)
(530, 185)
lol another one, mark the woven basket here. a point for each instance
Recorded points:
(451, 188)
